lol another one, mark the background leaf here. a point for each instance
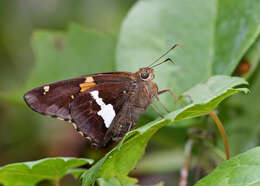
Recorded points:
(214, 34)
(241, 170)
(31, 173)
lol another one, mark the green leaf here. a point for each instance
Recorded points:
(214, 34)
(30, 173)
(241, 170)
(89, 177)
(202, 94)
(123, 158)
(64, 55)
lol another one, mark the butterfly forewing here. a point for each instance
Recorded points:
(54, 99)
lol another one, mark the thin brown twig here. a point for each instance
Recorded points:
(57, 182)
(222, 132)
(185, 167)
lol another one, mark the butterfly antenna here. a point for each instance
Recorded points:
(164, 55)
(166, 60)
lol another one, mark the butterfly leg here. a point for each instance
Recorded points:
(156, 110)
(172, 94)
(163, 106)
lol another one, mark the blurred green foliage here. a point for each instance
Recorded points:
(39, 43)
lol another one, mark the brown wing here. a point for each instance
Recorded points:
(54, 99)
(85, 108)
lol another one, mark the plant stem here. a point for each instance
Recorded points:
(222, 132)
(185, 167)
(57, 182)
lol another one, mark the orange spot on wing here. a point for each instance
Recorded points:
(89, 82)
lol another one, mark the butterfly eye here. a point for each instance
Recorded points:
(144, 75)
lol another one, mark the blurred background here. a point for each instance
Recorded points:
(27, 136)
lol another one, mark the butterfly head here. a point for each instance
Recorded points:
(145, 74)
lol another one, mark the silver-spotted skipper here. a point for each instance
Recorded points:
(101, 107)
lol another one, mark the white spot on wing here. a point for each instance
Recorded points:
(107, 112)
(46, 89)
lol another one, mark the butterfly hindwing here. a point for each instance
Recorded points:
(94, 110)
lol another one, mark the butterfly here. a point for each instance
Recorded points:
(102, 107)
